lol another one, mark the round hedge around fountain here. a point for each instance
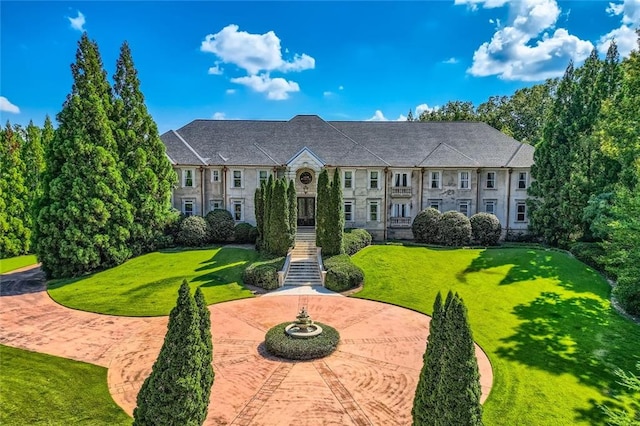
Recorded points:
(279, 343)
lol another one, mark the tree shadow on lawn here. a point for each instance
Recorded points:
(531, 264)
(224, 268)
(580, 336)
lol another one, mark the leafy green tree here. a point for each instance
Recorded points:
(15, 233)
(83, 215)
(208, 375)
(323, 198)
(293, 211)
(279, 235)
(144, 165)
(33, 155)
(173, 393)
(451, 111)
(621, 417)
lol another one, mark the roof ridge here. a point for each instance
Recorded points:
(265, 153)
(429, 154)
(514, 154)
(359, 144)
(461, 153)
(189, 146)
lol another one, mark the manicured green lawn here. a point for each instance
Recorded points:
(39, 389)
(543, 318)
(148, 285)
(11, 263)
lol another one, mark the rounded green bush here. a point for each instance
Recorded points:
(485, 229)
(355, 240)
(454, 229)
(221, 225)
(263, 276)
(245, 233)
(425, 226)
(193, 232)
(342, 274)
(278, 343)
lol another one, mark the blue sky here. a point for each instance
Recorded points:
(272, 60)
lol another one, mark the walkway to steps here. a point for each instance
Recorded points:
(304, 268)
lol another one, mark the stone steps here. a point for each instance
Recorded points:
(304, 269)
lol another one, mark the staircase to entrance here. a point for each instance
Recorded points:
(304, 265)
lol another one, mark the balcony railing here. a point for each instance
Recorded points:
(401, 191)
(401, 222)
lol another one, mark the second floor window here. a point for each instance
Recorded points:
(522, 180)
(373, 180)
(348, 179)
(464, 180)
(263, 175)
(237, 178)
(401, 179)
(187, 178)
(435, 180)
(215, 175)
(491, 180)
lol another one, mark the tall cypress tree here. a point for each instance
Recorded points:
(208, 374)
(323, 200)
(258, 202)
(334, 218)
(278, 236)
(33, 154)
(267, 194)
(83, 215)
(144, 165)
(15, 233)
(293, 211)
(173, 392)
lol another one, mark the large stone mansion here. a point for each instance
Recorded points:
(390, 171)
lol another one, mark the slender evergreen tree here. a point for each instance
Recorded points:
(173, 392)
(267, 194)
(258, 202)
(293, 211)
(323, 200)
(33, 154)
(334, 218)
(208, 374)
(144, 166)
(83, 215)
(279, 235)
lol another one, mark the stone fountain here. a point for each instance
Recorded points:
(303, 327)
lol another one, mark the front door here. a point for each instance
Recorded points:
(306, 211)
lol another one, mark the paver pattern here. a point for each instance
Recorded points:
(369, 380)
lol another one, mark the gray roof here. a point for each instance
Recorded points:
(345, 143)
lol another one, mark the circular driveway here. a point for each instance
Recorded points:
(370, 379)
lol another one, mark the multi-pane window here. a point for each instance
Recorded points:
(435, 180)
(215, 204)
(373, 179)
(521, 211)
(435, 204)
(348, 211)
(463, 178)
(374, 211)
(491, 180)
(237, 178)
(238, 213)
(463, 207)
(400, 179)
(215, 175)
(263, 175)
(348, 179)
(522, 180)
(400, 210)
(187, 177)
(188, 207)
(490, 206)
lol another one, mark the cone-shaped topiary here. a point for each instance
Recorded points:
(207, 358)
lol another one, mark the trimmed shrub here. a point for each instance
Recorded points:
(263, 274)
(355, 240)
(280, 344)
(590, 253)
(454, 229)
(221, 225)
(425, 226)
(485, 229)
(342, 274)
(245, 233)
(193, 232)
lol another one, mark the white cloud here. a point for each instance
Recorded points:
(523, 49)
(378, 116)
(253, 52)
(340, 87)
(327, 94)
(219, 116)
(422, 108)
(276, 88)
(625, 36)
(230, 91)
(451, 60)
(215, 70)
(7, 106)
(402, 118)
(486, 4)
(78, 22)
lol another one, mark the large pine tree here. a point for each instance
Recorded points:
(173, 393)
(83, 215)
(144, 165)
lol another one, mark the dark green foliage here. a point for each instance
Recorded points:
(454, 229)
(264, 273)
(15, 217)
(208, 375)
(245, 233)
(258, 202)
(193, 232)
(590, 253)
(451, 111)
(425, 226)
(280, 344)
(267, 195)
(617, 417)
(323, 198)
(221, 225)
(342, 274)
(144, 165)
(292, 200)
(173, 393)
(485, 229)
(448, 391)
(355, 240)
(334, 226)
(84, 217)
(33, 156)
(278, 235)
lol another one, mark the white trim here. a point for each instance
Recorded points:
(369, 172)
(525, 218)
(212, 173)
(258, 182)
(352, 204)
(401, 210)
(344, 179)
(493, 202)
(460, 179)
(233, 179)
(371, 203)
(237, 202)
(439, 172)
(433, 202)
(486, 179)
(400, 182)
(466, 203)
(526, 181)
(314, 157)
(184, 177)
(214, 201)
(184, 203)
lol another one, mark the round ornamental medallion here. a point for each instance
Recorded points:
(306, 178)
